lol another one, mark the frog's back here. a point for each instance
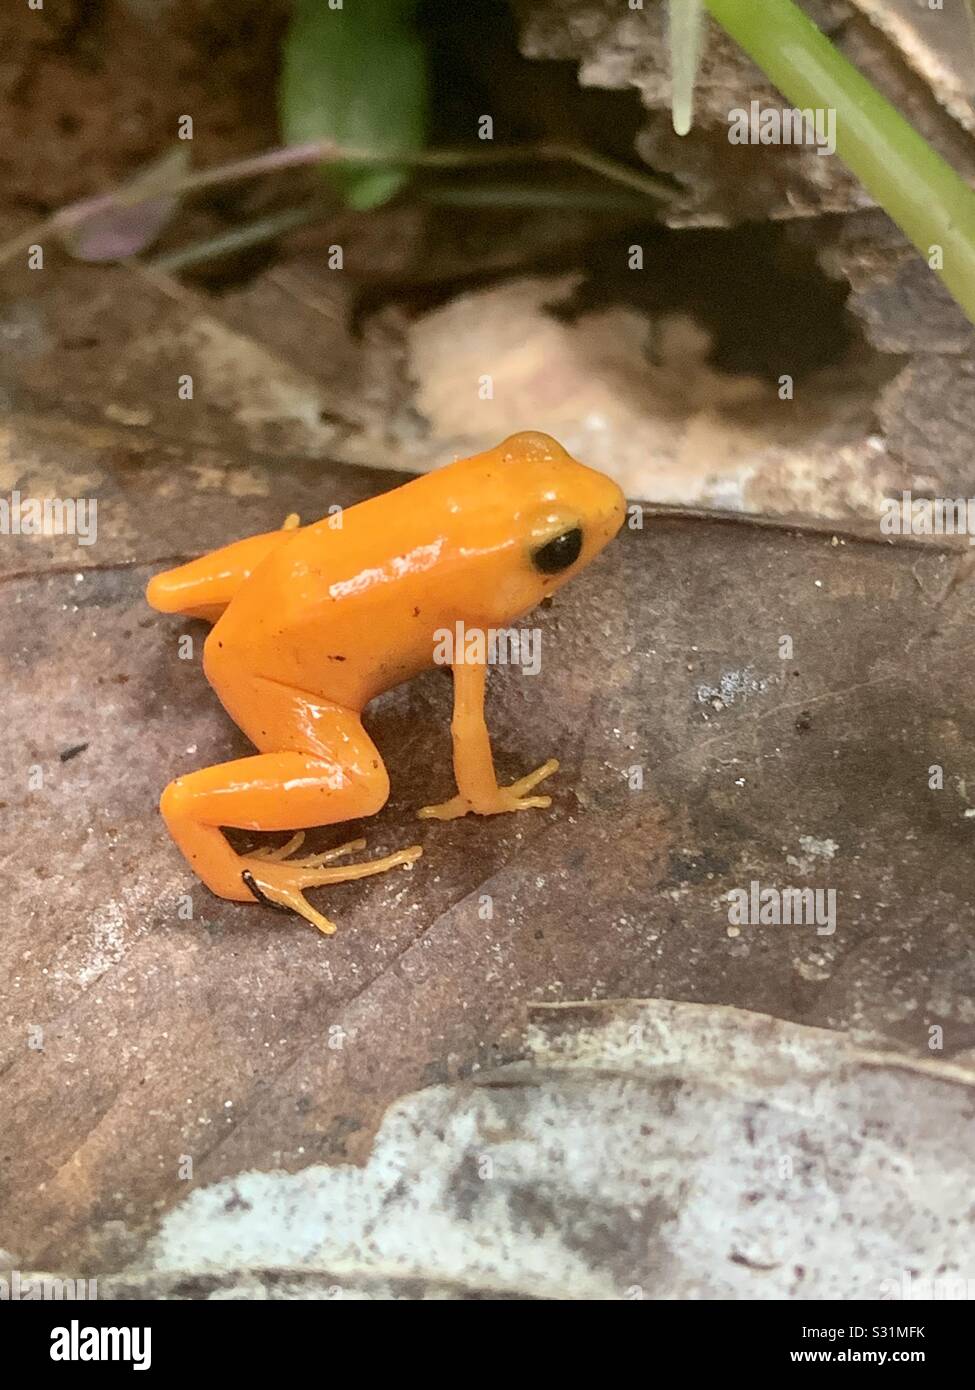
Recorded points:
(348, 607)
(345, 607)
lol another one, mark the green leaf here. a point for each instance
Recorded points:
(356, 75)
(685, 29)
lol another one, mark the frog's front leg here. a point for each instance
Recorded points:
(477, 784)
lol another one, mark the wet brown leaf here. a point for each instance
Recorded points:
(211, 1038)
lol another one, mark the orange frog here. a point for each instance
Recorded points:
(312, 622)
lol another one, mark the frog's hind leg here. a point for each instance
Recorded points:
(337, 776)
(202, 588)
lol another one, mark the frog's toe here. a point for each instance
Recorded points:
(277, 855)
(503, 799)
(526, 803)
(525, 784)
(446, 810)
(282, 882)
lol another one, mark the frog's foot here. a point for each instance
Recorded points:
(274, 878)
(511, 798)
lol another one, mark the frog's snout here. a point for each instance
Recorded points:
(619, 510)
(613, 510)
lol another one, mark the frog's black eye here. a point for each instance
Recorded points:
(558, 554)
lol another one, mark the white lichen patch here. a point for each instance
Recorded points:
(732, 686)
(814, 853)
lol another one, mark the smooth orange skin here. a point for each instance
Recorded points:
(312, 623)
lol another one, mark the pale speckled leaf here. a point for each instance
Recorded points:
(643, 1149)
(134, 217)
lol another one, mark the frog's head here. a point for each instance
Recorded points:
(539, 517)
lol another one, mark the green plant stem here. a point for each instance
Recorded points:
(925, 197)
(314, 152)
(239, 239)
